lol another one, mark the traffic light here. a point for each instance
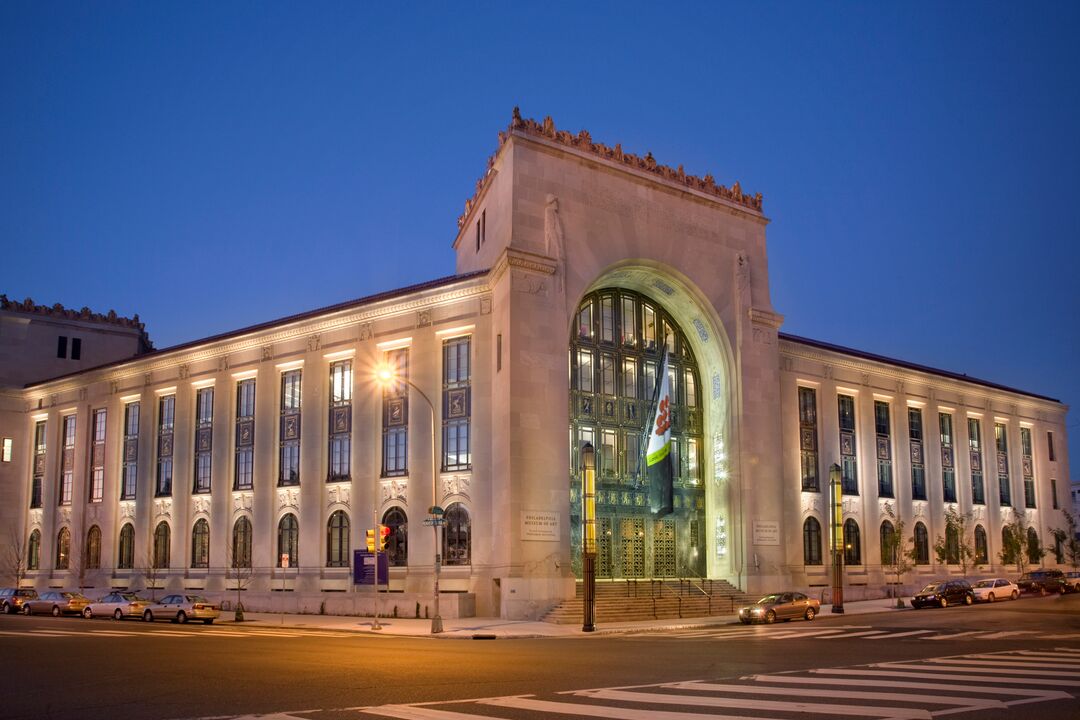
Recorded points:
(370, 540)
(384, 536)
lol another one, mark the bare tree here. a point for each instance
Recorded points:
(15, 556)
(963, 552)
(895, 554)
(151, 572)
(1066, 536)
(1017, 547)
(239, 572)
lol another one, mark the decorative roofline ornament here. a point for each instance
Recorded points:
(583, 141)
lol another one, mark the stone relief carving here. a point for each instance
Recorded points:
(764, 336)
(828, 372)
(35, 517)
(114, 387)
(811, 503)
(314, 342)
(223, 363)
(787, 364)
(162, 507)
(267, 352)
(288, 497)
(702, 332)
(918, 509)
(148, 379)
(185, 371)
(554, 237)
(899, 387)
(866, 379)
(338, 494)
(456, 485)
(485, 305)
(82, 394)
(394, 489)
(65, 515)
(423, 318)
(200, 505)
(127, 509)
(366, 331)
(242, 501)
(528, 283)
(54, 399)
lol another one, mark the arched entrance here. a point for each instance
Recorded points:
(616, 342)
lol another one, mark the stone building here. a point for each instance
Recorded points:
(576, 264)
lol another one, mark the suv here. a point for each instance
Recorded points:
(1043, 582)
(12, 599)
(943, 594)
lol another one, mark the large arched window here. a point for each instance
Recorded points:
(337, 540)
(161, 545)
(457, 536)
(125, 556)
(811, 541)
(397, 545)
(952, 545)
(888, 542)
(982, 551)
(240, 554)
(33, 554)
(200, 544)
(922, 545)
(1034, 550)
(288, 540)
(93, 548)
(63, 549)
(852, 543)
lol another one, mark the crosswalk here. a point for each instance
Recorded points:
(166, 633)
(891, 691)
(846, 632)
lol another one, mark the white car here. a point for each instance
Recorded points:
(117, 605)
(995, 589)
(1073, 578)
(181, 608)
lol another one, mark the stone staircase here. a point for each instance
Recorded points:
(626, 600)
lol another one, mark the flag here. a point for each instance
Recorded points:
(658, 468)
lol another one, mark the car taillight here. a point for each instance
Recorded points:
(199, 606)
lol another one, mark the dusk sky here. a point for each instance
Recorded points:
(214, 165)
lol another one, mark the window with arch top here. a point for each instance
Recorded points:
(288, 540)
(125, 554)
(397, 545)
(200, 544)
(457, 536)
(337, 540)
(63, 549)
(852, 543)
(922, 545)
(811, 533)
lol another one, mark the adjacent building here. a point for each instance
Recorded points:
(258, 458)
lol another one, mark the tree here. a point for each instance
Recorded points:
(1017, 547)
(895, 553)
(956, 548)
(238, 570)
(151, 573)
(1067, 538)
(15, 556)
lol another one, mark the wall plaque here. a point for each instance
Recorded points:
(766, 532)
(542, 525)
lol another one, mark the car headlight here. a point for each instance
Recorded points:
(757, 611)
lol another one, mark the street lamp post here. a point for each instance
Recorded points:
(386, 376)
(588, 537)
(837, 508)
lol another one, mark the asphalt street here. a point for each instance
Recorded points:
(1007, 660)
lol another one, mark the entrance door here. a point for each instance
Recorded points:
(632, 534)
(664, 548)
(603, 547)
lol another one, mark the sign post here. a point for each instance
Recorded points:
(284, 566)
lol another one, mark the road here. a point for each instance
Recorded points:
(1006, 660)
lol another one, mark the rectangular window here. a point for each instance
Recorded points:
(607, 374)
(948, 466)
(38, 471)
(884, 449)
(340, 431)
(61, 346)
(129, 471)
(166, 426)
(607, 454)
(918, 467)
(691, 388)
(67, 460)
(396, 415)
(1001, 442)
(289, 432)
(76, 349)
(5, 450)
(632, 461)
(244, 472)
(457, 402)
(630, 378)
(585, 324)
(1050, 446)
(1053, 494)
(97, 458)
(204, 438)
(648, 327)
(849, 479)
(629, 321)
(808, 439)
(978, 494)
(1028, 463)
(607, 319)
(585, 371)
(692, 466)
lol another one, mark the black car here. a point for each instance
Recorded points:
(1043, 582)
(943, 594)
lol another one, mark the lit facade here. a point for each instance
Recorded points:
(576, 263)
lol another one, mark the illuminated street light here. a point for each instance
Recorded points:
(386, 377)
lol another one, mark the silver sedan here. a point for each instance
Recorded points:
(56, 602)
(181, 608)
(117, 605)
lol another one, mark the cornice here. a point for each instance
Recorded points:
(766, 317)
(881, 369)
(513, 257)
(296, 330)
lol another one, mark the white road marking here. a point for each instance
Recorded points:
(955, 635)
(902, 634)
(1007, 633)
(413, 712)
(604, 711)
(1012, 668)
(854, 634)
(848, 694)
(812, 633)
(954, 687)
(890, 674)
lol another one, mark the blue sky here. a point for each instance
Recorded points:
(213, 165)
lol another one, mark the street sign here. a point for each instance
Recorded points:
(284, 560)
(364, 568)
(436, 510)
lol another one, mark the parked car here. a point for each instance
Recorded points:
(780, 606)
(117, 605)
(995, 589)
(943, 594)
(12, 599)
(181, 608)
(56, 602)
(1043, 582)
(1073, 578)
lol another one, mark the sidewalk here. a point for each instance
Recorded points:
(497, 628)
